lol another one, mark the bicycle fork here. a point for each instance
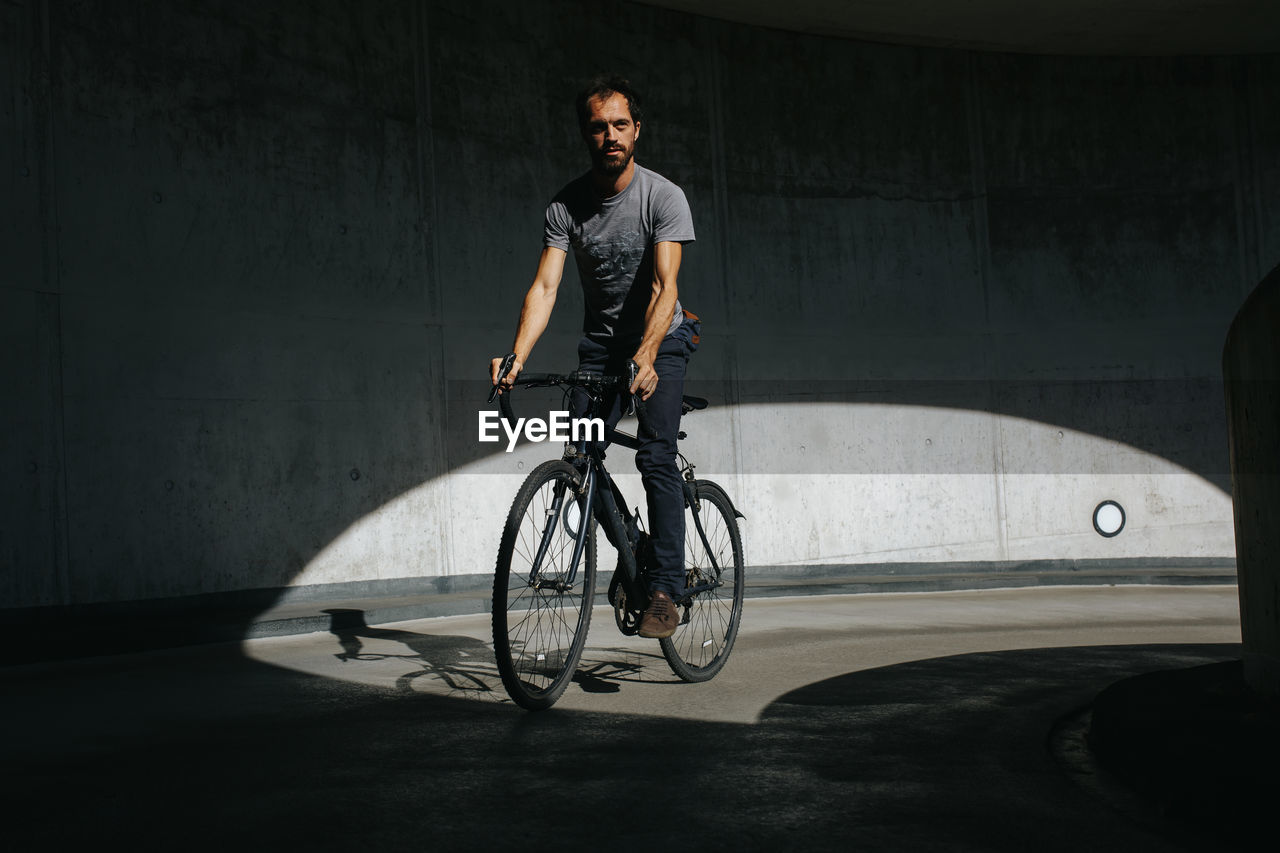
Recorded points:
(555, 516)
(691, 498)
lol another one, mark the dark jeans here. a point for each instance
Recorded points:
(656, 458)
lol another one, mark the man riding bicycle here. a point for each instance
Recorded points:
(626, 226)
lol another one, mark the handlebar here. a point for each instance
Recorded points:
(594, 384)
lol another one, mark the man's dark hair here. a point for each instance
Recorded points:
(605, 85)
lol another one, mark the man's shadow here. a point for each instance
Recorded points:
(462, 663)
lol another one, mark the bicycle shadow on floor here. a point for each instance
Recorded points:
(604, 670)
(454, 665)
(464, 667)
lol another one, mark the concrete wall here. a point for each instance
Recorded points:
(256, 254)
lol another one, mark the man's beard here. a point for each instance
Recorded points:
(612, 165)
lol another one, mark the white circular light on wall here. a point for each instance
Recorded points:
(1108, 519)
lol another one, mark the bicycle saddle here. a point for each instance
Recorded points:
(693, 404)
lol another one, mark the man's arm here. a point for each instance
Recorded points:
(657, 319)
(534, 314)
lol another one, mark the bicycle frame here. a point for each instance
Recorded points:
(604, 504)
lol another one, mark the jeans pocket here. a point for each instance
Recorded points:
(691, 331)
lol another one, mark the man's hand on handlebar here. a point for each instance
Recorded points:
(646, 377)
(503, 372)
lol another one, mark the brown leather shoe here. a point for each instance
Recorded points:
(661, 619)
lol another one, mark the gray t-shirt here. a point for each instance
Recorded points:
(612, 241)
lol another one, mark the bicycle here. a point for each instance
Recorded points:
(544, 579)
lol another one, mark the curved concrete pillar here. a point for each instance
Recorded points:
(1251, 368)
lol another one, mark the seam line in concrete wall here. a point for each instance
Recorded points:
(430, 213)
(1253, 100)
(978, 182)
(982, 254)
(720, 191)
(42, 95)
(426, 160)
(1246, 191)
(711, 38)
(1260, 265)
(51, 321)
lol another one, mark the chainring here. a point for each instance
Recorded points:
(628, 620)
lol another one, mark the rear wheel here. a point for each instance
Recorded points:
(541, 613)
(708, 622)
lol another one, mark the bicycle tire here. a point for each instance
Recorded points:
(709, 624)
(539, 630)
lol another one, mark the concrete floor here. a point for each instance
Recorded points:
(887, 722)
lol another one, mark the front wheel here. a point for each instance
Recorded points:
(541, 603)
(713, 560)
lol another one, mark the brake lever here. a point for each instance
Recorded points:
(629, 404)
(503, 369)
